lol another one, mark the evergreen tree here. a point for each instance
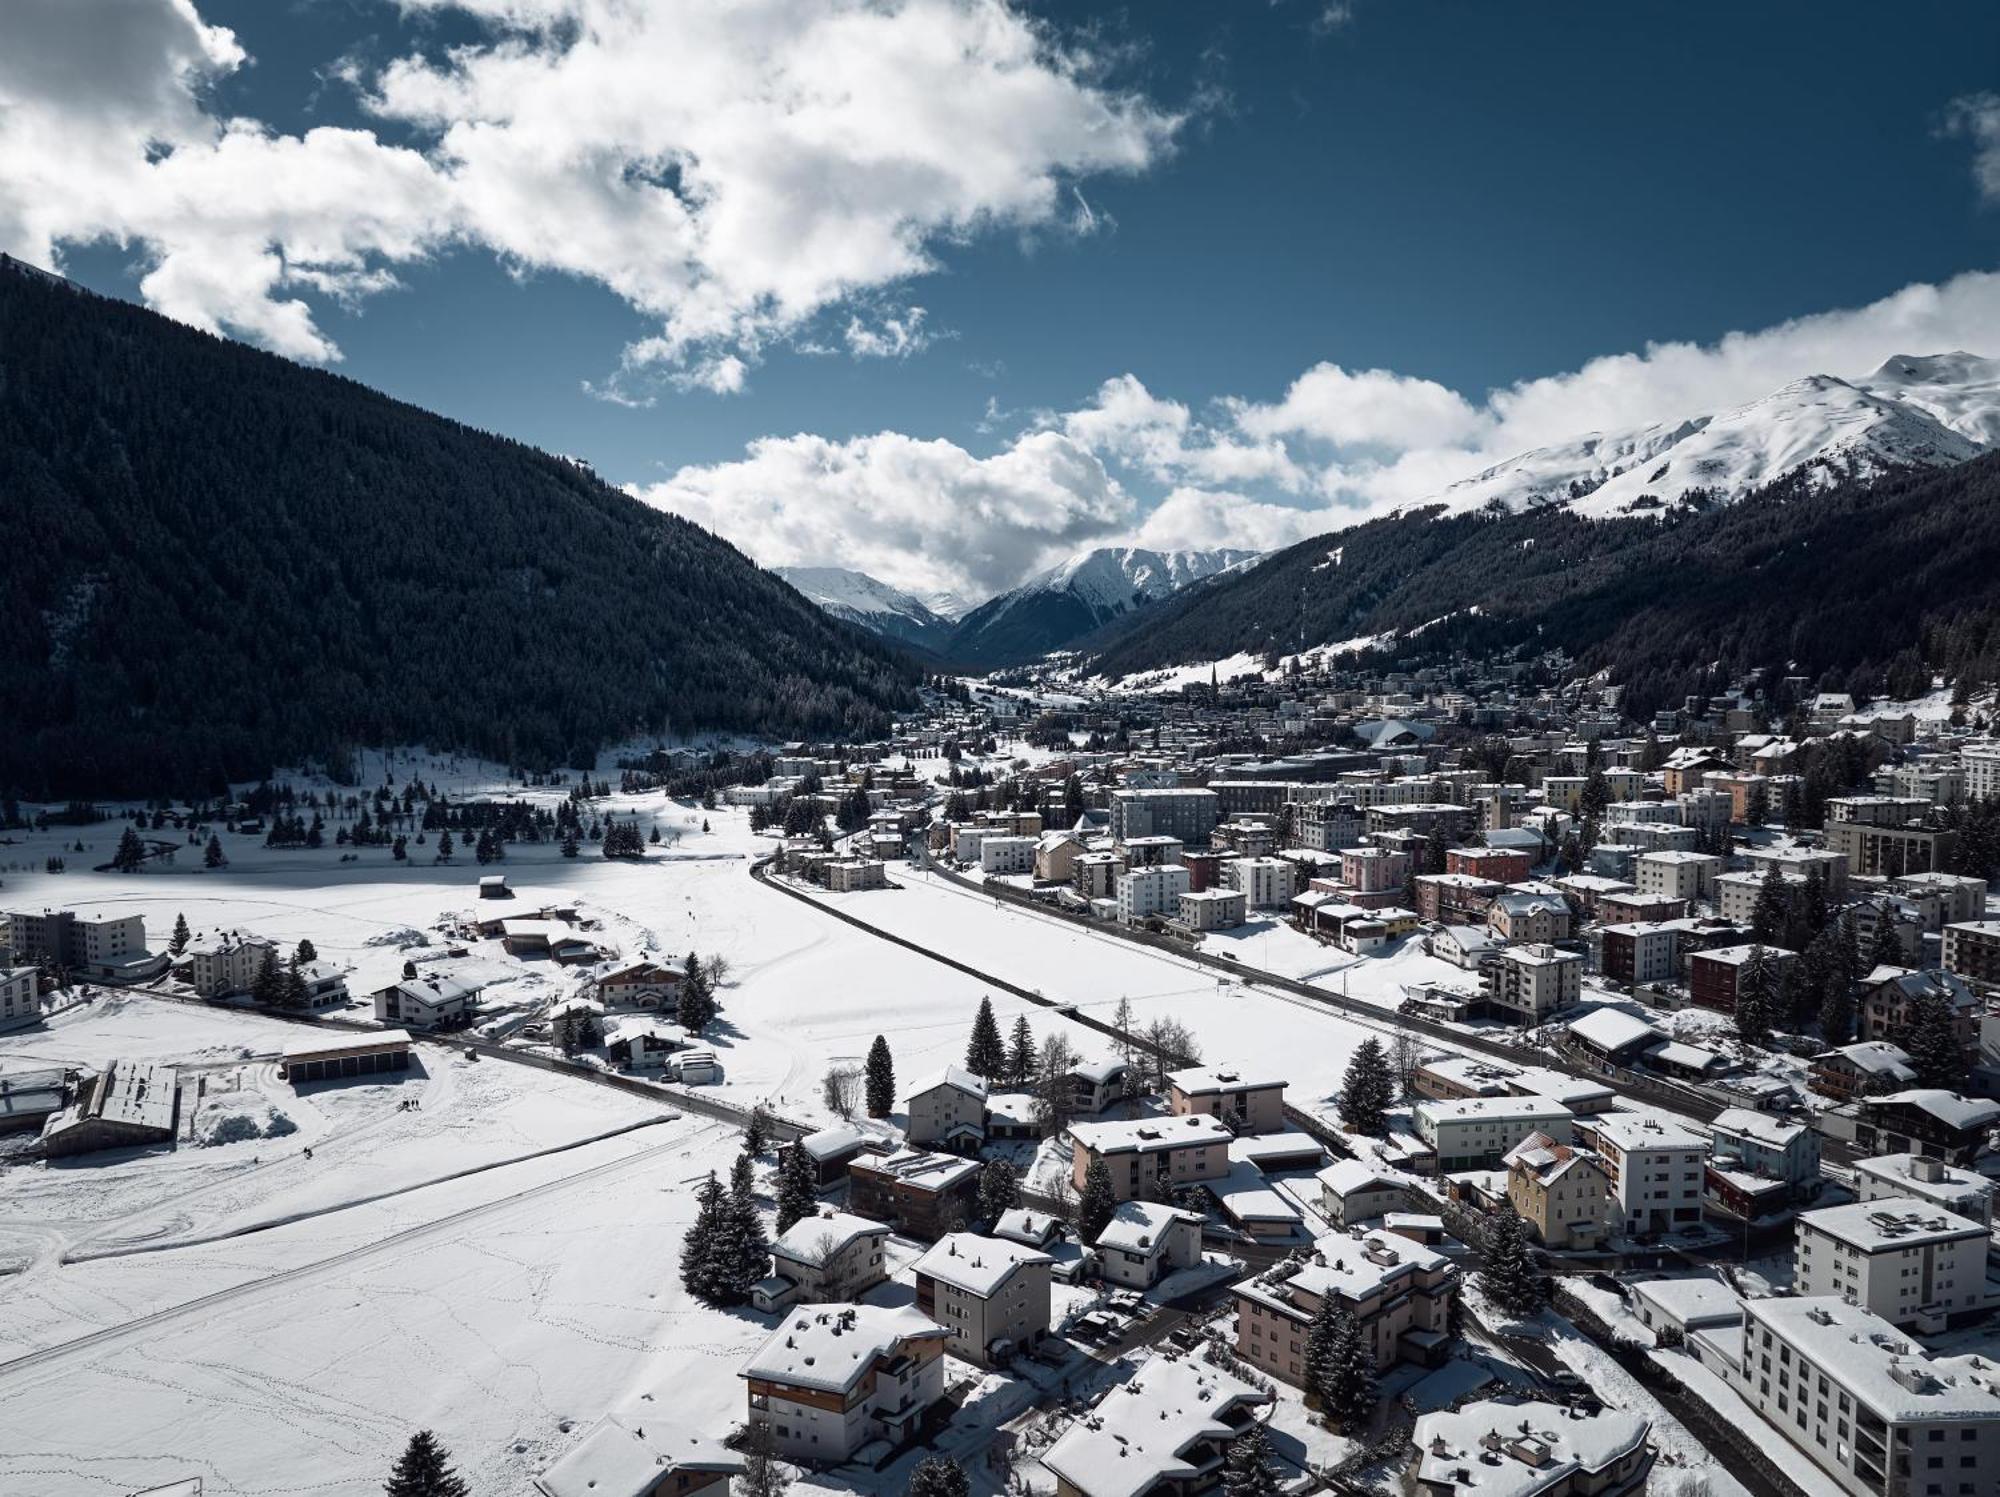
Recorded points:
(212, 855)
(1343, 1375)
(268, 986)
(1247, 1470)
(743, 1176)
(131, 851)
(1509, 1277)
(798, 1188)
(177, 943)
(880, 1083)
(1021, 1053)
(999, 1190)
(1769, 915)
(1886, 949)
(938, 1476)
(762, 1476)
(307, 952)
(757, 1131)
(1096, 1203)
(569, 846)
(444, 847)
(292, 991)
(1367, 1090)
(702, 1243)
(694, 1007)
(1932, 1042)
(424, 1470)
(1753, 999)
(986, 1053)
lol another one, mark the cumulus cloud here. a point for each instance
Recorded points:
(731, 169)
(915, 514)
(1131, 466)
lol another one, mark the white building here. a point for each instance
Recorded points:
(1003, 855)
(990, 1293)
(1145, 1241)
(426, 1002)
(1656, 1169)
(1875, 1410)
(1267, 883)
(1469, 1133)
(1163, 1431)
(1901, 1258)
(1517, 1448)
(20, 997)
(226, 962)
(832, 1378)
(1151, 893)
(1214, 909)
(1677, 875)
(1530, 984)
(1951, 1187)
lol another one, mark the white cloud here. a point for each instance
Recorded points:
(915, 514)
(895, 336)
(1134, 467)
(1371, 408)
(731, 167)
(1977, 118)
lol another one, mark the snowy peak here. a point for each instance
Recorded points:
(1059, 606)
(875, 606)
(1928, 411)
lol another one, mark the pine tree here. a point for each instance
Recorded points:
(743, 1176)
(1096, 1203)
(131, 851)
(694, 1007)
(1126, 1023)
(1021, 1053)
(1886, 950)
(798, 1188)
(1932, 1042)
(1509, 1277)
(880, 1086)
(307, 952)
(999, 1190)
(1367, 1090)
(1247, 1470)
(699, 1248)
(212, 856)
(1773, 908)
(1339, 1371)
(569, 846)
(762, 1476)
(744, 1257)
(757, 1131)
(268, 986)
(424, 1470)
(986, 1053)
(1753, 999)
(292, 991)
(181, 936)
(938, 1476)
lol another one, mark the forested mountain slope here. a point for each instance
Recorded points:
(1883, 578)
(216, 560)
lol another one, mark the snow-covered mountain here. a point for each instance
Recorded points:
(875, 606)
(1056, 607)
(1928, 411)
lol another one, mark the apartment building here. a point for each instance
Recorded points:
(1164, 1433)
(1972, 951)
(1530, 984)
(1151, 1156)
(1399, 1292)
(1374, 870)
(1677, 875)
(948, 1108)
(1473, 1133)
(1899, 1257)
(1891, 999)
(1214, 909)
(1145, 1241)
(1655, 1168)
(1640, 952)
(1501, 865)
(1561, 1191)
(1188, 814)
(91, 945)
(833, 1378)
(832, 1257)
(1950, 1187)
(20, 994)
(1716, 975)
(1150, 893)
(1760, 1163)
(917, 1193)
(226, 962)
(1876, 1411)
(1980, 763)
(1266, 883)
(1874, 851)
(1949, 898)
(989, 1293)
(1529, 914)
(1507, 1447)
(1246, 1101)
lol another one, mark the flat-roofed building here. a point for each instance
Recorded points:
(1517, 1448)
(1246, 1100)
(1529, 985)
(1901, 1257)
(1476, 1132)
(1656, 1168)
(325, 1057)
(1156, 1155)
(1398, 1291)
(129, 1104)
(637, 1452)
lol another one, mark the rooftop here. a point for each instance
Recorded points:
(1883, 1368)
(629, 1452)
(813, 1240)
(1138, 1226)
(978, 1265)
(1508, 1448)
(1150, 1135)
(1133, 1440)
(831, 1347)
(1893, 1222)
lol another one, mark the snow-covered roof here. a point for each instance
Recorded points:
(841, 1138)
(1349, 1266)
(1766, 1128)
(1346, 1176)
(1688, 1057)
(1645, 1130)
(1461, 1109)
(978, 1265)
(831, 1347)
(1100, 1072)
(1947, 1107)
(1141, 1226)
(1546, 1159)
(1150, 1135)
(1884, 1369)
(1876, 1057)
(343, 1044)
(1199, 1081)
(1035, 1228)
(1894, 1222)
(1510, 1448)
(627, 1454)
(1246, 1195)
(813, 1240)
(1133, 1440)
(1693, 1300)
(920, 1167)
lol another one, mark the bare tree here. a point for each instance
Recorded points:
(841, 1089)
(1054, 1095)
(1405, 1055)
(1171, 1046)
(720, 969)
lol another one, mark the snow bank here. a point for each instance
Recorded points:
(239, 1117)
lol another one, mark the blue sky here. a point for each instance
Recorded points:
(1469, 195)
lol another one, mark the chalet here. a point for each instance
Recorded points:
(949, 1109)
(647, 983)
(426, 1002)
(1145, 1241)
(820, 1259)
(643, 1042)
(833, 1378)
(1096, 1084)
(1926, 1120)
(1850, 1071)
(919, 1194)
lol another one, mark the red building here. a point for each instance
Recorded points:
(1502, 865)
